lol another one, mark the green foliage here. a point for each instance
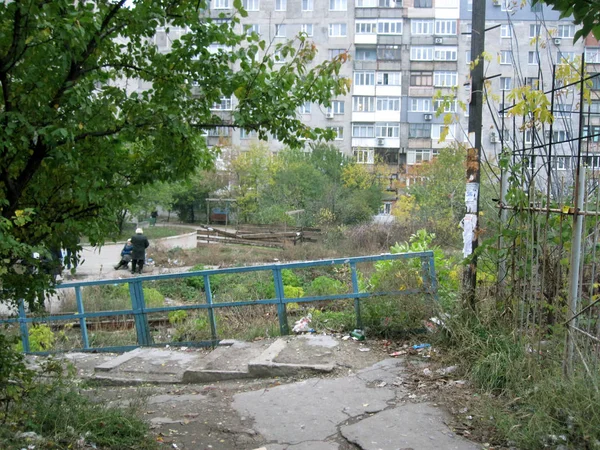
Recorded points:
(177, 317)
(326, 286)
(198, 282)
(15, 377)
(289, 278)
(344, 320)
(293, 292)
(41, 339)
(79, 144)
(585, 13)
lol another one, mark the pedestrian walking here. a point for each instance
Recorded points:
(153, 217)
(138, 254)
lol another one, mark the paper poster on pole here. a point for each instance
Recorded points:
(471, 197)
(469, 223)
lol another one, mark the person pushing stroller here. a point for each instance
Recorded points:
(125, 255)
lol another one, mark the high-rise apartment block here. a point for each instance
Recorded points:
(409, 65)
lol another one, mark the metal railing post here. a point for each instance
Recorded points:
(82, 321)
(23, 327)
(433, 279)
(355, 290)
(211, 312)
(139, 316)
(281, 310)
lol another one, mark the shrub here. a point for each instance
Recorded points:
(323, 285)
(41, 338)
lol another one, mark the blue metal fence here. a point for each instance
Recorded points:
(140, 312)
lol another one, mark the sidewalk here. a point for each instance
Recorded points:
(291, 393)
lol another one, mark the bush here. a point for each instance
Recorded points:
(41, 339)
(323, 285)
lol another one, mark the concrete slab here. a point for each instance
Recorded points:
(310, 410)
(225, 362)
(149, 365)
(410, 426)
(309, 445)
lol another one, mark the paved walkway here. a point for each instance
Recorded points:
(305, 393)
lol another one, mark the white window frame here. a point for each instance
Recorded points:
(363, 103)
(280, 5)
(251, 5)
(364, 78)
(365, 27)
(421, 27)
(420, 104)
(445, 53)
(424, 130)
(393, 27)
(337, 107)
(436, 131)
(308, 29)
(388, 104)
(306, 108)
(447, 106)
(364, 155)
(308, 5)
(421, 53)
(339, 29)
(566, 31)
(592, 55)
(338, 5)
(505, 31)
(224, 105)
(250, 28)
(533, 58)
(366, 3)
(387, 129)
(339, 132)
(506, 57)
(280, 30)
(335, 52)
(251, 134)
(363, 130)
(535, 30)
(445, 27)
(445, 78)
(505, 83)
(393, 78)
(222, 4)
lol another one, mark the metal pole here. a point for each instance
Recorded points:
(576, 244)
(470, 221)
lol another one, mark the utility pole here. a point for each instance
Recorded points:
(470, 221)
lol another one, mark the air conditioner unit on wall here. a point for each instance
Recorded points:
(557, 41)
(497, 2)
(380, 142)
(438, 40)
(427, 116)
(329, 115)
(493, 137)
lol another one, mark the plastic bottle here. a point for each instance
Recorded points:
(358, 335)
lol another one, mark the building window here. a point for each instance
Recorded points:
(339, 132)
(222, 4)
(364, 155)
(365, 54)
(595, 81)
(389, 27)
(594, 135)
(388, 103)
(248, 134)
(594, 107)
(506, 57)
(592, 55)
(535, 30)
(437, 129)
(307, 28)
(445, 27)
(592, 162)
(420, 104)
(364, 78)
(366, 3)
(389, 78)
(441, 106)
(252, 28)
(363, 130)
(505, 5)
(338, 5)
(389, 52)
(307, 5)
(391, 129)
(280, 5)
(561, 136)
(421, 78)
(363, 104)
(532, 82)
(423, 4)
(366, 27)
(390, 3)
(561, 163)
(505, 83)
(445, 79)
(505, 31)
(335, 52)
(446, 53)
(306, 108)
(421, 155)
(562, 110)
(223, 105)
(469, 5)
(421, 53)
(280, 30)
(566, 57)
(566, 31)
(419, 130)
(251, 5)
(337, 107)
(533, 58)
(337, 29)
(421, 27)
(219, 132)
(503, 109)
(468, 59)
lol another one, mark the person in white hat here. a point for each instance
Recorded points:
(138, 254)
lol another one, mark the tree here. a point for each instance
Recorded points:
(91, 111)
(585, 13)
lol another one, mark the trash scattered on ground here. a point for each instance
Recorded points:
(364, 349)
(357, 335)
(301, 325)
(427, 372)
(345, 338)
(447, 370)
(421, 346)
(398, 353)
